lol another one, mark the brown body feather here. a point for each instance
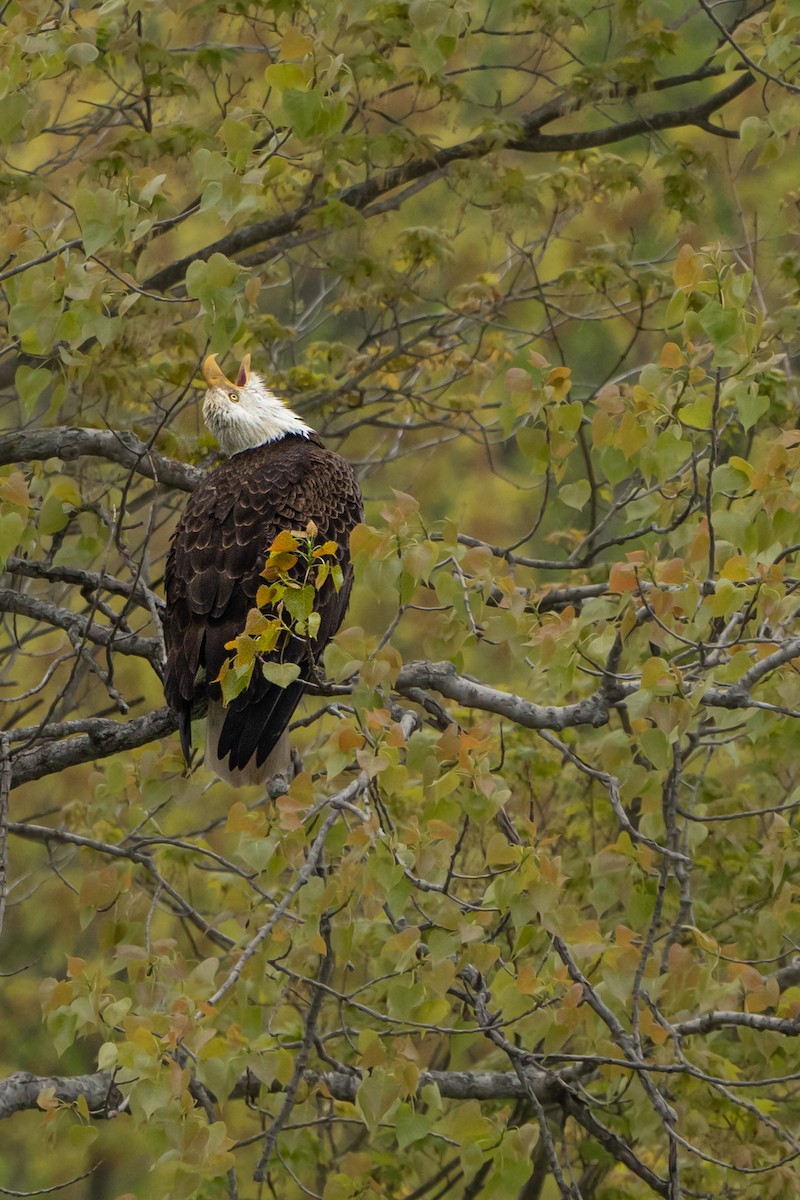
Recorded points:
(214, 571)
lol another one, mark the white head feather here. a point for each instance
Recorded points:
(245, 414)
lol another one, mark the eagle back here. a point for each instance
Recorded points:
(219, 548)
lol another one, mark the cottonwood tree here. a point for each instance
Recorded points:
(524, 923)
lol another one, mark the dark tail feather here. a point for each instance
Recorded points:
(185, 730)
(258, 728)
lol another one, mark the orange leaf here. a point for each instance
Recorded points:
(671, 571)
(671, 356)
(622, 578)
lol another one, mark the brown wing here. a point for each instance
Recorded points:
(213, 573)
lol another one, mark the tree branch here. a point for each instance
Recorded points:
(21, 1090)
(105, 738)
(78, 627)
(119, 447)
(442, 677)
(85, 580)
(737, 695)
(360, 195)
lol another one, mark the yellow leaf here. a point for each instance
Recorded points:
(265, 595)
(257, 622)
(704, 940)
(741, 464)
(365, 538)
(285, 543)
(47, 1099)
(736, 569)
(688, 268)
(651, 1028)
(558, 374)
(143, 1040)
(655, 673)
(295, 44)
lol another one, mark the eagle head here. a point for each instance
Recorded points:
(245, 414)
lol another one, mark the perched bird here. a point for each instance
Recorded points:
(278, 479)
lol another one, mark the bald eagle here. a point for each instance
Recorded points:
(278, 479)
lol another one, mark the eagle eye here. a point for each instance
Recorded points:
(233, 396)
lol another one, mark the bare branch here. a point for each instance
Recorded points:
(78, 627)
(738, 694)
(85, 580)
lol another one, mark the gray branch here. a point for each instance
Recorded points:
(21, 1090)
(119, 447)
(104, 738)
(78, 627)
(93, 581)
(442, 677)
(712, 1021)
(738, 694)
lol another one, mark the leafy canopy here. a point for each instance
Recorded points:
(524, 923)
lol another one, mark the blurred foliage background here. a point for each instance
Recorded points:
(525, 923)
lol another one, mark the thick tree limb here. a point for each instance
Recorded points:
(92, 581)
(442, 677)
(22, 1090)
(104, 739)
(124, 448)
(104, 1098)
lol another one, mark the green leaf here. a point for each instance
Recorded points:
(13, 109)
(410, 1126)
(657, 748)
(286, 75)
(299, 601)
(312, 113)
(751, 403)
(281, 674)
(11, 529)
(53, 516)
(30, 382)
(81, 53)
(233, 682)
(107, 1057)
(721, 324)
(575, 495)
(753, 132)
(376, 1096)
